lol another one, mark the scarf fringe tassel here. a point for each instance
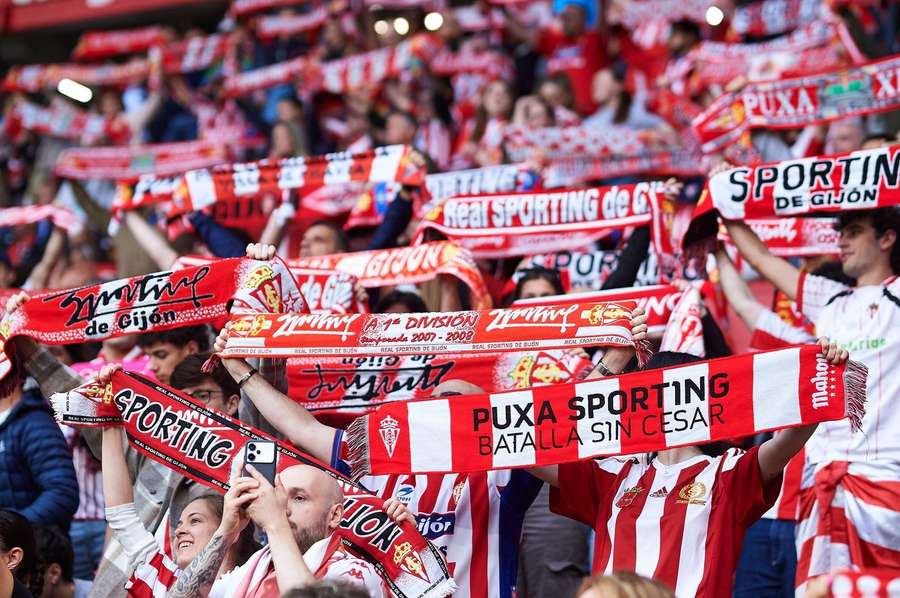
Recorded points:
(855, 374)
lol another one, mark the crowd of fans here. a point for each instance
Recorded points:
(85, 514)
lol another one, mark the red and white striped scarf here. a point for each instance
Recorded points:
(633, 14)
(240, 8)
(566, 142)
(772, 17)
(405, 265)
(793, 237)
(96, 45)
(61, 217)
(587, 270)
(475, 181)
(194, 54)
(277, 25)
(579, 170)
(202, 444)
(721, 399)
(59, 120)
(504, 225)
(795, 103)
(484, 331)
(36, 77)
(130, 162)
(491, 64)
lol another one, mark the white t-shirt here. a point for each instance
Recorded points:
(866, 322)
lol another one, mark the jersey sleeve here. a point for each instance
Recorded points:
(584, 488)
(748, 498)
(771, 332)
(814, 293)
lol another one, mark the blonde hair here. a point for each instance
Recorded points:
(624, 585)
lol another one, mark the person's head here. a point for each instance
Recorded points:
(538, 113)
(683, 35)
(867, 241)
(326, 588)
(17, 545)
(623, 584)
(289, 109)
(451, 388)
(572, 20)
(875, 141)
(286, 140)
(110, 103)
(845, 135)
(538, 282)
(323, 238)
(197, 523)
(56, 561)
(315, 503)
(401, 302)
(556, 90)
(400, 128)
(167, 348)
(497, 99)
(216, 390)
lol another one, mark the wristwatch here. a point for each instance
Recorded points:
(246, 377)
(601, 367)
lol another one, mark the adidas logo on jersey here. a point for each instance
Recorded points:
(661, 493)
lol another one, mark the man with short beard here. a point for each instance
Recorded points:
(299, 515)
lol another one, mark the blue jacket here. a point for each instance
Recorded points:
(37, 478)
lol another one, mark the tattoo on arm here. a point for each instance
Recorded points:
(198, 577)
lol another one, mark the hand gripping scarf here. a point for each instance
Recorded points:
(632, 413)
(793, 237)
(859, 180)
(96, 45)
(505, 225)
(339, 389)
(795, 103)
(202, 444)
(130, 162)
(151, 302)
(485, 331)
(405, 265)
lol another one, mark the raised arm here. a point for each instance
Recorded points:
(117, 488)
(738, 293)
(775, 453)
(151, 240)
(776, 270)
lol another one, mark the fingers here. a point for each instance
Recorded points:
(832, 352)
(107, 371)
(241, 485)
(16, 301)
(263, 482)
(397, 511)
(221, 340)
(260, 251)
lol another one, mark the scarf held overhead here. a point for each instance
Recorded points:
(795, 103)
(152, 302)
(793, 237)
(517, 328)
(202, 444)
(505, 225)
(633, 413)
(130, 162)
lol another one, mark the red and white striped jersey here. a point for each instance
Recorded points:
(864, 321)
(433, 138)
(474, 519)
(153, 578)
(682, 524)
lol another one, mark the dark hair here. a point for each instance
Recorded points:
(327, 589)
(15, 531)
(343, 243)
(179, 337)
(565, 83)
(54, 547)
(546, 106)
(882, 220)
(245, 545)
(189, 372)
(481, 115)
(411, 301)
(619, 72)
(687, 27)
(538, 273)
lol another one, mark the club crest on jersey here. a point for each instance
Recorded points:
(692, 494)
(458, 490)
(408, 560)
(389, 430)
(661, 493)
(628, 497)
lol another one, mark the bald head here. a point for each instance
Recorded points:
(315, 503)
(456, 387)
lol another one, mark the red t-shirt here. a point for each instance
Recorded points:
(578, 58)
(682, 525)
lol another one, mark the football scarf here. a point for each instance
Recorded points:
(860, 180)
(490, 64)
(194, 54)
(97, 45)
(61, 217)
(202, 444)
(587, 270)
(634, 14)
(405, 265)
(475, 181)
(684, 330)
(484, 331)
(521, 143)
(795, 103)
(793, 237)
(505, 225)
(151, 302)
(641, 412)
(59, 120)
(36, 77)
(339, 389)
(130, 162)
(277, 25)
(771, 17)
(240, 8)
(579, 170)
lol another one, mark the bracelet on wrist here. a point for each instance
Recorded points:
(246, 377)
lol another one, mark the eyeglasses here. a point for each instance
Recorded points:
(205, 395)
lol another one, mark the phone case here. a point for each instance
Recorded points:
(261, 455)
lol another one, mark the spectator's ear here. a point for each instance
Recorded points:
(53, 574)
(231, 405)
(14, 558)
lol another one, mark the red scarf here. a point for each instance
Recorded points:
(152, 302)
(277, 25)
(97, 45)
(576, 171)
(836, 183)
(130, 162)
(475, 181)
(405, 265)
(202, 444)
(522, 143)
(60, 217)
(239, 8)
(194, 54)
(339, 389)
(705, 402)
(504, 225)
(36, 77)
(634, 14)
(793, 237)
(490, 64)
(59, 120)
(771, 17)
(795, 103)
